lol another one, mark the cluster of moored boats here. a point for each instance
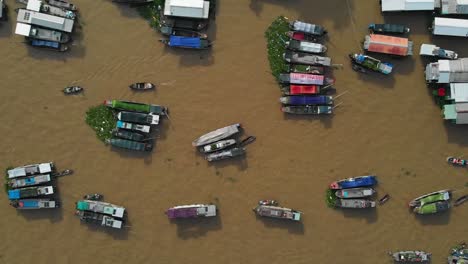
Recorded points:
(305, 84)
(458, 255)
(135, 122)
(222, 143)
(47, 23)
(93, 210)
(354, 192)
(31, 187)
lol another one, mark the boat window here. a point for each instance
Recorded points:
(27, 15)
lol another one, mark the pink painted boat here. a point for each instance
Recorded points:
(302, 89)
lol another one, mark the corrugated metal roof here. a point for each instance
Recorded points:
(387, 44)
(459, 92)
(34, 5)
(450, 22)
(22, 29)
(187, 3)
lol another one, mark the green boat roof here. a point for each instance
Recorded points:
(433, 198)
(428, 209)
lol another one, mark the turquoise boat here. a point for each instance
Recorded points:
(137, 107)
(128, 144)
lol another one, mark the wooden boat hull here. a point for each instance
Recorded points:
(461, 200)
(457, 162)
(225, 154)
(131, 145)
(442, 195)
(354, 203)
(354, 193)
(308, 110)
(142, 86)
(72, 90)
(217, 135)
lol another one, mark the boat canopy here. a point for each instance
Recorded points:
(306, 46)
(388, 44)
(30, 170)
(304, 89)
(302, 78)
(44, 43)
(407, 5)
(181, 41)
(307, 28)
(459, 92)
(22, 29)
(305, 100)
(100, 207)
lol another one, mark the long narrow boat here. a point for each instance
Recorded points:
(308, 109)
(461, 200)
(306, 46)
(62, 4)
(141, 86)
(30, 204)
(225, 154)
(101, 207)
(137, 107)
(32, 169)
(371, 63)
(354, 203)
(361, 181)
(39, 6)
(217, 135)
(125, 134)
(410, 256)
(99, 219)
(133, 127)
(355, 193)
(432, 208)
(41, 33)
(307, 28)
(52, 45)
(216, 146)
(306, 69)
(139, 118)
(187, 42)
(307, 100)
(277, 212)
(305, 58)
(442, 195)
(30, 192)
(29, 181)
(457, 161)
(388, 29)
(294, 89)
(306, 79)
(296, 35)
(191, 211)
(129, 144)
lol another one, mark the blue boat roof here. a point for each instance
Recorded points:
(32, 203)
(13, 194)
(306, 100)
(179, 41)
(119, 124)
(51, 44)
(358, 182)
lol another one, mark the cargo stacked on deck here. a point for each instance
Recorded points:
(47, 24)
(101, 213)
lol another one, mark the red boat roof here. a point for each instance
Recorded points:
(388, 44)
(304, 89)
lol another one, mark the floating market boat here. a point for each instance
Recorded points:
(39, 6)
(137, 107)
(384, 199)
(125, 134)
(57, 46)
(101, 207)
(187, 42)
(457, 260)
(372, 63)
(277, 212)
(225, 154)
(307, 28)
(306, 69)
(128, 144)
(355, 193)
(456, 161)
(99, 219)
(461, 200)
(29, 181)
(302, 89)
(142, 86)
(30, 192)
(32, 169)
(361, 181)
(354, 203)
(305, 46)
(34, 204)
(219, 145)
(413, 256)
(191, 211)
(305, 79)
(139, 118)
(93, 197)
(432, 208)
(305, 58)
(188, 33)
(41, 33)
(268, 202)
(62, 4)
(307, 100)
(434, 51)
(442, 195)
(133, 127)
(307, 109)
(217, 135)
(300, 36)
(460, 251)
(388, 45)
(72, 90)
(388, 28)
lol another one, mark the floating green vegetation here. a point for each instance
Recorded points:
(276, 41)
(330, 198)
(151, 12)
(102, 120)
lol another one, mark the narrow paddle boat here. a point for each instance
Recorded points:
(142, 86)
(72, 90)
(413, 256)
(457, 162)
(442, 195)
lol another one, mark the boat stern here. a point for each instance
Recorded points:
(334, 186)
(119, 212)
(296, 216)
(210, 210)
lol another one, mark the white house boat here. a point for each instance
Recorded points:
(101, 207)
(32, 169)
(45, 20)
(41, 33)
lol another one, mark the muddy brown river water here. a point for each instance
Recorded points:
(389, 126)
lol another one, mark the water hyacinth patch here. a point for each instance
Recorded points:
(276, 41)
(102, 120)
(150, 12)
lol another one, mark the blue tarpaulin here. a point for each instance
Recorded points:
(308, 100)
(358, 182)
(13, 194)
(31, 204)
(43, 43)
(179, 41)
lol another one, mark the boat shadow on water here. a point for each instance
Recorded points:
(442, 218)
(369, 214)
(190, 58)
(54, 215)
(293, 227)
(119, 234)
(326, 120)
(456, 133)
(75, 50)
(196, 227)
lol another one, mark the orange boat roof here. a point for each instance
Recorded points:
(388, 44)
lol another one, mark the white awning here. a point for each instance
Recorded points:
(34, 5)
(23, 29)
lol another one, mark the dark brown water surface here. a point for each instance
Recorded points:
(389, 126)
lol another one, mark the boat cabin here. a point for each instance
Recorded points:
(457, 113)
(447, 71)
(45, 20)
(388, 45)
(454, 7)
(434, 51)
(450, 27)
(30, 170)
(198, 9)
(407, 5)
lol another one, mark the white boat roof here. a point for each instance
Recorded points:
(444, 65)
(34, 5)
(23, 29)
(426, 49)
(45, 20)
(186, 3)
(407, 5)
(200, 8)
(450, 22)
(459, 92)
(119, 211)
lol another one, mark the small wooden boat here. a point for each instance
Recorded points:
(461, 200)
(307, 100)
(354, 193)
(306, 46)
(63, 173)
(268, 202)
(300, 36)
(191, 211)
(93, 197)
(307, 28)
(142, 86)
(30, 204)
(277, 212)
(388, 29)
(133, 127)
(442, 195)
(306, 69)
(354, 203)
(413, 256)
(134, 136)
(358, 68)
(62, 4)
(457, 162)
(129, 144)
(57, 46)
(72, 90)
(432, 208)
(225, 154)
(217, 135)
(308, 109)
(30, 192)
(361, 181)
(99, 219)
(139, 118)
(219, 145)
(384, 199)
(248, 140)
